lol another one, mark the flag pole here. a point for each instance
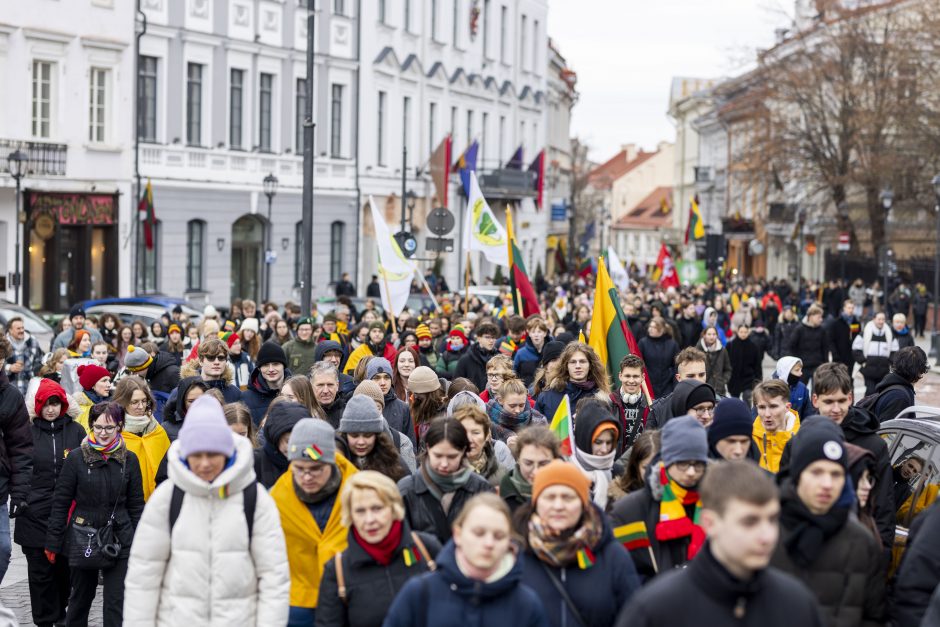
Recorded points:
(428, 289)
(391, 314)
(466, 286)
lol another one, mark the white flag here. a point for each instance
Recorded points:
(483, 231)
(395, 270)
(617, 272)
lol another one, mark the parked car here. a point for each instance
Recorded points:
(35, 325)
(144, 308)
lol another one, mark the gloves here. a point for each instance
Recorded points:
(50, 556)
(18, 509)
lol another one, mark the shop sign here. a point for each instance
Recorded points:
(74, 209)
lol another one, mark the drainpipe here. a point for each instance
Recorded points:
(135, 263)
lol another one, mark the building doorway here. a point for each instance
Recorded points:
(247, 257)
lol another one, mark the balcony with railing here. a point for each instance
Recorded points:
(42, 158)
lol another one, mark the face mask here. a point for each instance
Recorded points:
(792, 379)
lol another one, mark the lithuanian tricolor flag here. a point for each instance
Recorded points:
(524, 300)
(611, 338)
(696, 228)
(633, 535)
(563, 428)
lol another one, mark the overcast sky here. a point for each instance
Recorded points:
(626, 52)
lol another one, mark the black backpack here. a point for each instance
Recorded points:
(870, 402)
(249, 500)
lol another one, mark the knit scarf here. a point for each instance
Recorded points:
(587, 385)
(486, 465)
(572, 546)
(139, 425)
(673, 521)
(104, 449)
(599, 469)
(95, 398)
(803, 533)
(519, 483)
(443, 487)
(514, 423)
(384, 550)
(329, 489)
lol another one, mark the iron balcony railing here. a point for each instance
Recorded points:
(42, 158)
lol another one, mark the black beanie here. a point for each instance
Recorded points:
(271, 352)
(816, 440)
(552, 351)
(703, 393)
(732, 417)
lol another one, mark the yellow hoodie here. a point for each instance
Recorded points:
(309, 548)
(771, 445)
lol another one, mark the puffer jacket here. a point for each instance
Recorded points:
(370, 586)
(97, 486)
(365, 350)
(598, 592)
(810, 344)
(259, 394)
(746, 371)
(799, 394)
(300, 355)
(771, 445)
(447, 598)
(423, 511)
(447, 366)
(16, 443)
(162, 374)
(309, 547)
(204, 571)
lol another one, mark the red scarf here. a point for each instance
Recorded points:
(384, 550)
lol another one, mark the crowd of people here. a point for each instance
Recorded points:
(270, 466)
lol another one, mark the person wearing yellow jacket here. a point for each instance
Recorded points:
(775, 424)
(307, 498)
(96, 388)
(376, 345)
(143, 435)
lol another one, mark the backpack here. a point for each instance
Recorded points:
(249, 500)
(870, 402)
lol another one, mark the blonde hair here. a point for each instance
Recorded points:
(512, 386)
(484, 499)
(383, 487)
(500, 361)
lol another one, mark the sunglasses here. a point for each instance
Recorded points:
(215, 358)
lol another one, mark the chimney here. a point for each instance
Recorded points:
(630, 152)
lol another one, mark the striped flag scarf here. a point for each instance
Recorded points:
(674, 523)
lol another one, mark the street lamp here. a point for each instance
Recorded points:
(17, 165)
(270, 190)
(887, 199)
(935, 336)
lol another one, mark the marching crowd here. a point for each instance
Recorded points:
(267, 466)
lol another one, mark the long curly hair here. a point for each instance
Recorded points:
(558, 377)
(398, 384)
(383, 458)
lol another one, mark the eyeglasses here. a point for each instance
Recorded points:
(216, 358)
(685, 466)
(308, 472)
(703, 411)
(104, 429)
(495, 375)
(138, 403)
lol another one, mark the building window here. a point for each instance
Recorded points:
(195, 252)
(336, 122)
(298, 252)
(236, 107)
(194, 104)
(265, 94)
(300, 103)
(522, 42)
(382, 11)
(484, 146)
(502, 137)
(147, 104)
(406, 121)
(339, 7)
(337, 231)
(434, 20)
(503, 25)
(147, 279)
(469, 125)
(432, 126)
(42, 98)
(97, 105)
(407, 17)
(522, 133)
(453, 123)
(486, 28)
(456, 21)
(535, 45)
(381, 129)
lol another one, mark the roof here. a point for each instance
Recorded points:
(606, 173)
(648, 213)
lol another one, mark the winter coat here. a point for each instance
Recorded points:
(398, 415)
(74, 409)
(547, 402)
(16, 447)
(309, 547)
(243, 367)
(447, 598)
(717, 367)
(205, 571)
(162, 375)
(690, 329)
(224, 385)
(904, 337)
(30, 354)
(363, 351)
(599, 592)
(347, 385)
(633, 418)
(668, 407)
(269, 462)
(473, 365)
(300, 355)
(800, 400)
(150, 449)
(52, 442)
(847, 576)
(63, 339)
(919, 572)
(771, 445)
(643, 506)
(96, 485)
(874, 349)
(259, 394)
(895, 395)
(781, 338)
(527, 360)
(370, 586)
(334, 411)
(810, 344)
(746, 368)
(705, 593)
(424, 512)
(447, 366)
(502, 432)
(659, 355)
(173, 423)
(841, 334)
(177, 356)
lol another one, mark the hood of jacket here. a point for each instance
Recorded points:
(236, 476)
(892, 378)
(706, 314)
(49, 388)
(181, 391)
(191, 369)
(680, 395)
(325, 347)
(860, 421)
(784, 366)
(472, 589)
(260, 385)
(281, 419)
(588, 422)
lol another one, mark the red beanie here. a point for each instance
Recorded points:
(90, 374)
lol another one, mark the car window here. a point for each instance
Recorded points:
(914, 462)
(32, 323)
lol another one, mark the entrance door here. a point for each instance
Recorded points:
(247, 257)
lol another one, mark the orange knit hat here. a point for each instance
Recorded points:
(564, 473)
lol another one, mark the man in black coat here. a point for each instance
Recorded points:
(841, 332)
(919, 573)
(809, 342)
(746, 367)
(690, 326)
(896, 390)
(729, 582)
(473, 365)
(16, 456)
(344, 286)
(373, 289)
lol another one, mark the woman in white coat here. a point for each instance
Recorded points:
(196, 560)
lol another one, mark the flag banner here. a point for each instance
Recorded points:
(665, 270)
(563, 428)
(695, 229)
(515, 161)
(524, 300)
(395, 270)
(633, 535)
(438, 167)
(692, 272)
(587, 268)
(617, 272)
(466, 165)
(538, 167)
(147, 215)
(483, 231)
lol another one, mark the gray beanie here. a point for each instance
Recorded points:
(312, 440)
(465, 397)
(361, 416)
(378, 365)
(684, 439)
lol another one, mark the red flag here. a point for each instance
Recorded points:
(538, 166)
(149, 218)
(666, 271)
(439, 166)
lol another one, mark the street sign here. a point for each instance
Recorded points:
(270, 257)
(845, 242)
(407, 243)
(440, 244)
(441, 221)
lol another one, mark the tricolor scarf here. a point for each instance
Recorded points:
(105, 449)
(673, 522)
(574, 546)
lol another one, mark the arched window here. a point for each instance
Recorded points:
(337, 235)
